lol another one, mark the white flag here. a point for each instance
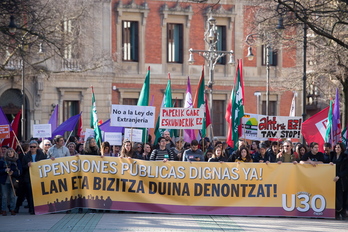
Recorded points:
(293, 106)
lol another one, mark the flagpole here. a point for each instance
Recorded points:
(19, 143)
(68, 137)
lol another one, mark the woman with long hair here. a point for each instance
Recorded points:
(105, 149)
(10, 169)
(301, 150)
(126, 150)
(218, 155)
(339, 158)
(91, 147)
(45, 145)
(244, 155)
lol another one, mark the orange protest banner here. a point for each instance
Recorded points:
(4, 131)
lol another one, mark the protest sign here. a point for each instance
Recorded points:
(181, 118)
(42, 131)
(4, 131)
(249, 127)
(134, 135)
(114, 138)
(279, 127)
(89, 133)
(207, 188)
(132, 116)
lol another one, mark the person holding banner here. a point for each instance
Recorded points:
(126, 150)
(34, 155)
(340, 159)
(244, 155)
(147, 151)
(162, 153)
(10, 168)
(313, 157)
(218, 156)
(301, 150)
(91, 147)
(260, 156)
(58, 149)
(45, 145)
(105, 149)
(287, 155)
(72, 148)
(194, 153)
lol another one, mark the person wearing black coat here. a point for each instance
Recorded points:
(339, 158)
(34, 155)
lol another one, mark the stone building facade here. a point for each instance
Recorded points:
(134, 35)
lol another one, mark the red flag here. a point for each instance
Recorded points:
(12, 142)
(314, 128)
(79, 128)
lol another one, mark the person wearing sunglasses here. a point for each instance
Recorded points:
(45, 145)
(34, 155)
(287, 155)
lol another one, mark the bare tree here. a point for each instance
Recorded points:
(327, 22)
(49, 36)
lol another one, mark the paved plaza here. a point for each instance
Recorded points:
(127, 221)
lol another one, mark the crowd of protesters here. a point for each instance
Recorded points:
(14, 165)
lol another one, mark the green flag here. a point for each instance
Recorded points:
(329, 124)
(237, 104)
(94, 120)
(144, 99)
(199, 101)
(166, 102)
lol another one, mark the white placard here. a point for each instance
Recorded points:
(89, 133)
(114, 138)
(181, 118)
(134, 135)
(42, 131)
(132, 116)
(279, 127)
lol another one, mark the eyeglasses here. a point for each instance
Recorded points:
(33, 146)
(286, 146)
(139, 147)
(48, 144)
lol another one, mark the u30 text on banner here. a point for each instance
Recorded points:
(181, 118)
(183, 187)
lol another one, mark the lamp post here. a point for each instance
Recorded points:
(250, 40)
(304, 70)
(12, 29)
(211, 37)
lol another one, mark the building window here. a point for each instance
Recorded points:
(177, 103)
(175, 43)
(130, 40)
(273, 56)
(272, 108)
(219, 123)
(221, 42)
(71, 108)
(130, 101)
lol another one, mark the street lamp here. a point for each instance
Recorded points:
(12, 29)
(250, 40)
(211, 37)
(304, 70)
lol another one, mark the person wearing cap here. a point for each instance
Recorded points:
(34, 155)
(178, 149)
(194, 153)
(58, 149)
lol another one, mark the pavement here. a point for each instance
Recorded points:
(128, 221)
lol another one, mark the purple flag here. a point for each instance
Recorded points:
(107, 128)
(3, 119)
(189, 134)
(54, 119)
(68, 125)
(336, 123)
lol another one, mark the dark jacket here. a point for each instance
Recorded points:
(28, 158)
(341, 169)
(16, 167)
